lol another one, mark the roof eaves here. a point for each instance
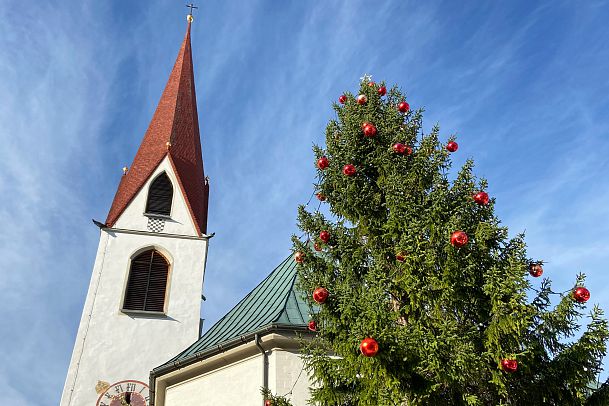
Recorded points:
(224, 346)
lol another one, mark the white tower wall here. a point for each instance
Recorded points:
(113, 345)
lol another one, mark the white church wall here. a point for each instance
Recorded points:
(235, 384)
(235, 377)
(69, 386)
(180, 222)
(288, 378)
(113, 345)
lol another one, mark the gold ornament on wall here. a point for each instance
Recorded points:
(101, 386)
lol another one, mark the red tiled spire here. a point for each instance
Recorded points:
(175, 122)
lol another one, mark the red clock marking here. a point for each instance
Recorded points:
(125, 393)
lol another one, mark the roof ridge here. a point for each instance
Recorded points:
(287, 297)
(215, 329)
(251, 293)
(266, 304)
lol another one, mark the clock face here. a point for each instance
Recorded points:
(125, 393)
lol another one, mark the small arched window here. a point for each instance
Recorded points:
(160, 194)
(147, 282)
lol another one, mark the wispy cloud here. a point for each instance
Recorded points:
(53, 101)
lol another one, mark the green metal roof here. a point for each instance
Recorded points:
(274, 301)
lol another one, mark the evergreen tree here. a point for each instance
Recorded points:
(421, 267)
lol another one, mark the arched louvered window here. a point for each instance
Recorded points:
(147, 282)
(160, 194)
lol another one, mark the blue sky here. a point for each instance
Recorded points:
(523, 84)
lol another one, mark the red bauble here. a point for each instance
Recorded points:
(481, 198)
(581, 294)
(362, 99)
(312, 325)
(299, 257)
(371, 84)
(399, 148)
(342, 99)
(382, 91)
(321, 197)
(317, 247)
(509, 365)
(452, 146)
(268, 402)
(403, 107)
(349, 170)
(369, 347)
(400, 257)
(320, 295)
(536, 270)
(459, 239)
(323, 163)
(324, 236)
(408, 150)
(369, 129)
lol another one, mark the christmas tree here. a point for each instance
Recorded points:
(420, 296)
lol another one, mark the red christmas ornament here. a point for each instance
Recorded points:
(321, 197)
(581, 294)
(369, 347)
(400, 257)
(312, 325)
(536, 270)
(320, 295)
(452, 146)
(342, 99)
(349, 170)
(317, 247)
(403, 107)
(371, 84)
(267, 402)
(323, 163)
(382, 91)
(481, 198)
(362, 99)
(369, 129)
(408, 150)
(299, 257)
(458, 239)
(509, 365)
(399, 148)
(324, 236)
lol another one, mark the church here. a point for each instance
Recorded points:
(142, 345)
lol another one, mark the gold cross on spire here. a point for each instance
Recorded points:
(190, 17)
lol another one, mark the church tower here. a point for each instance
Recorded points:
(144, 299)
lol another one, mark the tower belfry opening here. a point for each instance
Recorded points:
(160, 195)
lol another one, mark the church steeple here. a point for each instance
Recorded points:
(174, 133)
(143, 305)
